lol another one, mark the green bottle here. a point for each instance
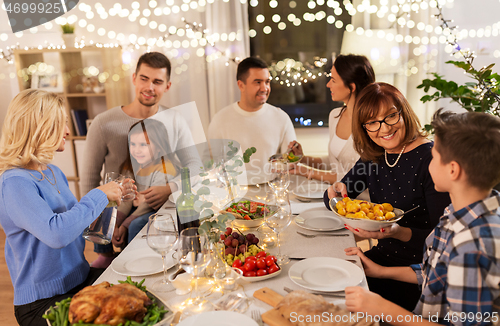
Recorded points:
(187, 216)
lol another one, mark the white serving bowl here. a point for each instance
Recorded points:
(367, 225)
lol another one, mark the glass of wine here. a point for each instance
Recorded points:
(280, 177)
(277, 216)
(194, 256)
(162, 236)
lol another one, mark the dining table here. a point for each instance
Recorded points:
(293, 244)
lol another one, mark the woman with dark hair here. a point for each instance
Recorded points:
(395, 156)
(350, 74)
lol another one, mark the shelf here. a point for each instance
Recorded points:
(85, 94)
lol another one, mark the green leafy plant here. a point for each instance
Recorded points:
(68, 28)
(480, 95)
(229, 169)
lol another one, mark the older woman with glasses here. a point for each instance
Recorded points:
(393, 166)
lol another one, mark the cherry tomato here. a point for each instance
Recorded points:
(249, 265)
(250, 258)
(223, 237)
(261, 263)
(270, 260)
(249, 274)
(237, 263)
(261, 254)
(261, 272)
(273, 268)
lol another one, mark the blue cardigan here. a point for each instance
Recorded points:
(44, 245)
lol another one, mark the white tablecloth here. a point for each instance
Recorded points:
(293, 245)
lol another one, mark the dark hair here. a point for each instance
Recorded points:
(248, 63)
(154, 60)
(354, 69)
(368, 104)
(471, 139)
(154, 132)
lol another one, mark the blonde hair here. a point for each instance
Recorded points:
(32, 129)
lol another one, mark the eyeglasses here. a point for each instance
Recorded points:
(389, 120)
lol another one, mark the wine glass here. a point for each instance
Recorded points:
(277, 216)
(280, 177)
(194, 256)
(162, 236)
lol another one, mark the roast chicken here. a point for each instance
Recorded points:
(106, 304)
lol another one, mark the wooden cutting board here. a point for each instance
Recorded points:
(272, 317)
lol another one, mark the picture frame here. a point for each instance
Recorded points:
(48, 82)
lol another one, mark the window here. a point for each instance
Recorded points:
(298, 39)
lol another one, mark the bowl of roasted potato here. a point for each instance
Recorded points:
(364, 215)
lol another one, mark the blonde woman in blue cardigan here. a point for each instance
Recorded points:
(41, 218)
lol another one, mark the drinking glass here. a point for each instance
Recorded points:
(126, 183)
(280, 178)
(277, 216)
(194, 256)
(162, 236)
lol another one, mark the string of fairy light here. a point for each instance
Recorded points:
(192, 35)
(468, 56)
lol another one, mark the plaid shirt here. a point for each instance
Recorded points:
(460, 273)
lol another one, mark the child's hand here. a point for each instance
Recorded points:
(358, 299)
(120, 236)
(371, 269)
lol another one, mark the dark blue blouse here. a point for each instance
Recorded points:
(405, 186)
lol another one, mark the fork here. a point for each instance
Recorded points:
(322, 235)
(303, 200)
(256, 316)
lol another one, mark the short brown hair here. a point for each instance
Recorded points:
(155, 60)
(368, 104)
(471, 139)
(245, 65)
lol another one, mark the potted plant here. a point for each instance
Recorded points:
(480, 95)
(68, 35)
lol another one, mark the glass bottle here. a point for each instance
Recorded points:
(187, 216)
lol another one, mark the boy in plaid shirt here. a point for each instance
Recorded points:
(460, 273)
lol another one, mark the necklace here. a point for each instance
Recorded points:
(46, 178)
(397, 160)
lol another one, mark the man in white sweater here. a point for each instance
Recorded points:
(107, 137)
(252, 122)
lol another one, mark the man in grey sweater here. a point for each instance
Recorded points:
(107, 137)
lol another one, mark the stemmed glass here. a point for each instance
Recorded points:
(280, 177)
(162, 236)
(194, 256)
(277, 216)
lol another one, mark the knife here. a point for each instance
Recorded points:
(325, 294)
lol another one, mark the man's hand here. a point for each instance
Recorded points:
(156, 196)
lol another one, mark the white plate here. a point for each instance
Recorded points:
(319, 219)
(325, 274)
(261, 278)
(311, 190)
(218, 318)
(219, 193)
(140, 262)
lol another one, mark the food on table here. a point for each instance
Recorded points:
(365, 210)
(293, 158)
(242, 252)
(106, 304)
(247, 210)
(302, 303)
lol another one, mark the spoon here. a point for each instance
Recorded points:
(284, 157)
